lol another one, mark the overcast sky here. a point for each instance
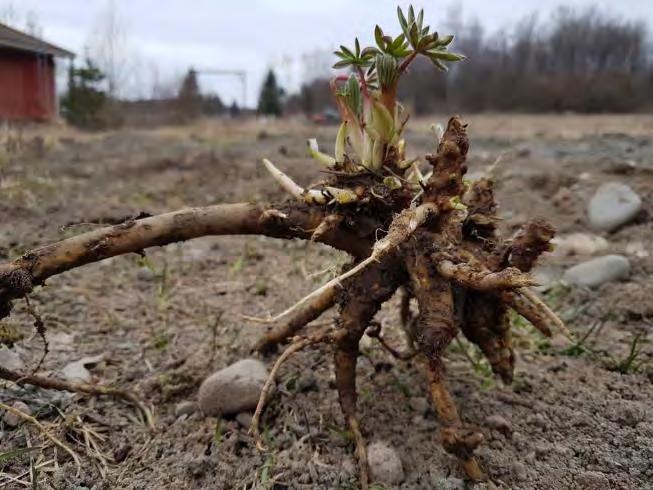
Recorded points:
(253, 35)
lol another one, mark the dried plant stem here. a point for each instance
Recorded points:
(44, 431)
(58, 384)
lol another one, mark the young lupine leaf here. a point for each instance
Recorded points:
(398, 42)
(355, 138)
(445, 56)
(342, 64)
(377, 154)
(411, 14)
(382, 122)
(341, 139)
(427, 42)
(420, 19)
(347, 52)
(378, 37)
(439, 64)
(315, 153)
(358, 47)
(386, 70)
(368, 53)
(413, 36)
(403, 23)
(445, 41)
(353, 95)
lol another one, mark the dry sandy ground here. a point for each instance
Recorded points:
(574, 420)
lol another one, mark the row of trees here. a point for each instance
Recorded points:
(88, 102)
(583, 61)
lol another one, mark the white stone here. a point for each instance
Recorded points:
(11, 419)
(600, 270)
(614, 204)
(9, 359)
(578, 244)
(385, 465)
(78, 371)
(233, 389)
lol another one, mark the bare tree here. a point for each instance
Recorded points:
(33, 25)
(109, 48)
(9, 15)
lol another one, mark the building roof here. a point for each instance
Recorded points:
(12, 38)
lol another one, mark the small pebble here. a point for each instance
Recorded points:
(419, 404)
(307, 382)
(348, 466)
(542, 450)
(244, 419)
(613, 205)
(450, 483)
(185, 408)
(499, 423)
(519, 470)
(10, 359)
(592, 273)
(593, 480)
(385, 465)
(11, 419)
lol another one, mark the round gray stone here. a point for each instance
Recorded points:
(11, 419)
(233, 389)
(385, 464)
(600, 270)
(614, 204)
(9, 359)
(499, 423)
(592, 480)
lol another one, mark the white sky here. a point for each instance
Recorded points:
(256, 34)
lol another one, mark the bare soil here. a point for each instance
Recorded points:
(166, 322)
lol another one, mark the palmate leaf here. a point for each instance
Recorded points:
(354, 57)
(397, 47)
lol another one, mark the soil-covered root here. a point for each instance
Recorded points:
(293, 322)
(434, 329)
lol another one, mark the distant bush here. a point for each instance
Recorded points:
(270, 99)
(84, 103)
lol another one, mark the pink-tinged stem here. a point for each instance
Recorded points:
(404, 65)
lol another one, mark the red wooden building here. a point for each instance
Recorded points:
(27, 76)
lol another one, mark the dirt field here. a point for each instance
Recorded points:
(578, 416)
